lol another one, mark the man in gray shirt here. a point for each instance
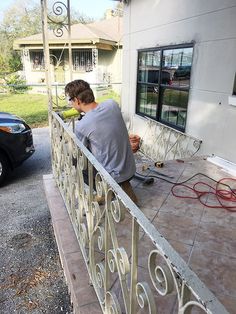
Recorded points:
(103, 132)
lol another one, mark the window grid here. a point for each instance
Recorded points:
(82, 60)
(163, 84)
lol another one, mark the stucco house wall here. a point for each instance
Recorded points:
(211, 27)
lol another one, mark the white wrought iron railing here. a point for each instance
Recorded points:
(161, 142)
(132, 267)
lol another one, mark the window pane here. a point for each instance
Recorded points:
(37, 60)
(149, 65)
(174, 107)
(82, 60)
(177, 62)
(147, 100)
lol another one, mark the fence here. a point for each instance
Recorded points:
(113, 237)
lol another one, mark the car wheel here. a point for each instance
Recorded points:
(4, 168)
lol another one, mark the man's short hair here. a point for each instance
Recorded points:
(81, 90)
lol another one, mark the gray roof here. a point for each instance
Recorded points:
(109, 30)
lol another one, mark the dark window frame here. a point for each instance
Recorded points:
(162, 87)
(38, 55)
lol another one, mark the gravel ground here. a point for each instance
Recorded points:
(31, 277)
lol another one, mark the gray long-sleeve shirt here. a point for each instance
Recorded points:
(104, 132)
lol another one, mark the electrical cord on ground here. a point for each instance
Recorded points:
(226, 194)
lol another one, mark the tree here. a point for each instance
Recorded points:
(77, 17)
(23, 19)
(20, 20)
(117, 11)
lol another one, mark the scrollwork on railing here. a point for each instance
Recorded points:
(145, 298)
(112, 304)
(108, 227)
(99, 185)
(111, 259)
(59, 18)
(116, 207)
(160, 142)
(161, 276)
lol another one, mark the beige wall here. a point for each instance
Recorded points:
(109, 65)
(211, 25)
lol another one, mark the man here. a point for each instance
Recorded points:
(103, 132)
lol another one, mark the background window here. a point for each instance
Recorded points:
(82, 60)
(163, 84)
(37, 60)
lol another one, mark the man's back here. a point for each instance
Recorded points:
(104, 132)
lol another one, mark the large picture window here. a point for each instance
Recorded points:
(163, 84)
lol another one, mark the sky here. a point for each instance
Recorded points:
(91, 8)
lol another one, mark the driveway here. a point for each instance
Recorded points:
(31, 277)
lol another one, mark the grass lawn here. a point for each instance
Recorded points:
(33, 107)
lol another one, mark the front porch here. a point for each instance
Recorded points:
(138, 258)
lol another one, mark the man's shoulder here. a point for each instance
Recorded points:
(109, 102)
(110, 105)
(83, 123)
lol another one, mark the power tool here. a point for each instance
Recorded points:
(69, 113)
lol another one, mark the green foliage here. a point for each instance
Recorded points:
(111, 94)
(3, 64)
(16, 84)
(32, 108)
(15, 62)
(20, 20)
(117, 11)
(76, 17)
(175, 98)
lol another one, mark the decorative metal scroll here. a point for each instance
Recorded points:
(128, 275)
(161, 142)
(95, 57)
(59, 18)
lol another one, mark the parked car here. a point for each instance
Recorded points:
(153, 77)
(183, 72)
(16, 143)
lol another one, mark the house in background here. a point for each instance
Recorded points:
(179, 69)
(96, 53)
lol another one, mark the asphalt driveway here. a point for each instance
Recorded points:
(31, 277)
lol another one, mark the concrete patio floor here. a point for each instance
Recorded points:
(204, 237)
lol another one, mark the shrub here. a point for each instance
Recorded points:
(16, 84)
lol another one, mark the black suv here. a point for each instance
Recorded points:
(16, 143)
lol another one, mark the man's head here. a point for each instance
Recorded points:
(80, 90)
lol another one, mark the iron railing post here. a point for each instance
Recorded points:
(44, 17)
